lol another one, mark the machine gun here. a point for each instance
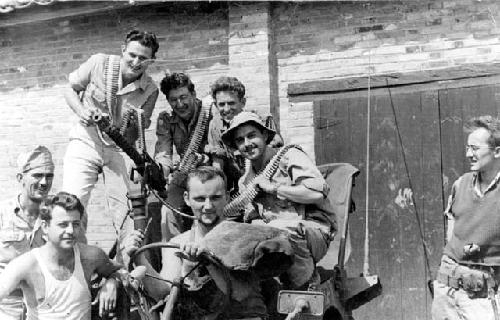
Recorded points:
(151, 172)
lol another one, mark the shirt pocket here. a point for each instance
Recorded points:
(14, 239)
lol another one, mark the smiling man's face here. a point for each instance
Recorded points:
(135, 59)
(229, 104)
(250, 141)
(183, 102)
(63, 228)
(36, 183)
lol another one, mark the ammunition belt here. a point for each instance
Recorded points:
(190, 160)
(111, 78)
(241, 200)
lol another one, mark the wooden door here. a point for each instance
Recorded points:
(416, 148)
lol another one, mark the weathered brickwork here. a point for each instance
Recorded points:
(249, 52)
(267, 45)
(317, 41)
(37, 58)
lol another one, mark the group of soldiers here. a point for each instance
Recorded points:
(48, 267)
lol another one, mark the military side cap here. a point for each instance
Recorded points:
(36, 158)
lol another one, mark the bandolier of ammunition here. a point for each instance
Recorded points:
(141, 123)
(238, 204)
(141, 141)
(127, 116)
(190, 159)
(111, 78)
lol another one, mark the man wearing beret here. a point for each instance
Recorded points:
(19, 224)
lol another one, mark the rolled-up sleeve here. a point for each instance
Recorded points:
(302, 171)
(164, 142)
(80, 78)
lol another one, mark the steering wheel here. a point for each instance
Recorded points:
(206, 258)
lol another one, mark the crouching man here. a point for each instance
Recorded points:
(206, 195)
(55, 278)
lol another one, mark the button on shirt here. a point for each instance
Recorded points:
(90, 77)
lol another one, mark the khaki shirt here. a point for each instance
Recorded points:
(140, 94)
(15, 231)
(295, 168)
(171, 130)
(18, 235)
(234, 162)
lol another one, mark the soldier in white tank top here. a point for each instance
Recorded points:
(64, 299)
(67, 299)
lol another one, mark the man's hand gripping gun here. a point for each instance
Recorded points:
(151, 172)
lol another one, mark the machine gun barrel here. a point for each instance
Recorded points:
(145, 165)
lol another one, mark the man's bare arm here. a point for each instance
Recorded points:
(449, 229)
(448, 212)
(104, 266)
(108, 294)
(73, 101)
(156, 288)
(298, 193)
(15, 272)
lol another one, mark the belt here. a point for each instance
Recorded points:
(475, 281)
(450, 281)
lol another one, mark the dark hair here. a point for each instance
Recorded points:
(228, 84)
(145, 38)
(175, 80)
(205, 173)
(62, 199)
(491, 124)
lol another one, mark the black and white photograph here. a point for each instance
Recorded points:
(249, 160)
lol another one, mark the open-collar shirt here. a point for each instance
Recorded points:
(16, 232)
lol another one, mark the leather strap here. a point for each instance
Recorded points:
(450, 281)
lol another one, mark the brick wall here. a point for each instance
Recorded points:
(324, 40)
(37, 57)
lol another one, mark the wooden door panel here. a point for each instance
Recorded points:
(408, 111)
(432, 197)
(431, 126)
